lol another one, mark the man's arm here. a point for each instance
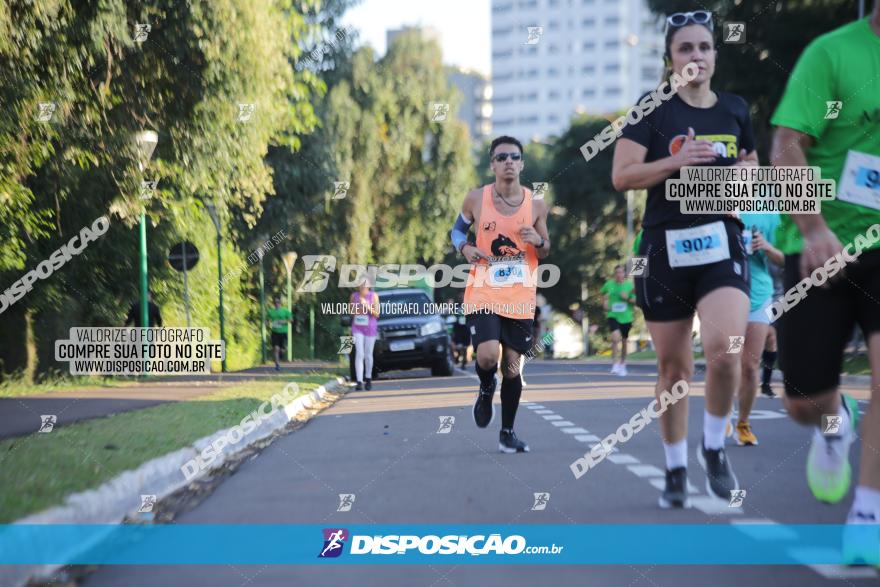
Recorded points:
(462, 225)
(820, 244)
(536, 235)
(541, 211)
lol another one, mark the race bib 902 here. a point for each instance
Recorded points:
(700, 245)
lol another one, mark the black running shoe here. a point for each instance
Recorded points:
(767, 390)
(358, 386)
(484, 410)
(675, 494)
(368, 384)
(509, 443)
(720, 480)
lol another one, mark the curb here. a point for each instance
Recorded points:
(114, 500)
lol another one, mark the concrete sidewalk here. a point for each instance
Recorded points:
(20, 416)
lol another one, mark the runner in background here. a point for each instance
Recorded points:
(695, 262)
(279, 319)
(364, 328)
(619, 299)
(461, 337)
(768, 357)
(758, 238)
(829, 118)
(153, 314)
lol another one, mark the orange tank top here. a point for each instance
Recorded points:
(507, 284)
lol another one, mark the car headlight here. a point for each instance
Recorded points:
(432, 327)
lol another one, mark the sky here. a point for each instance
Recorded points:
(463, 24)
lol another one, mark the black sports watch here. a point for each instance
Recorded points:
(542, 243)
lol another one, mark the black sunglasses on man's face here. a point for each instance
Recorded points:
(501, 157)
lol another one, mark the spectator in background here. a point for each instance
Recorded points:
(134, 313)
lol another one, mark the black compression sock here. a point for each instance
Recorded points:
(486, 376)
(511, 390)
(768, 358)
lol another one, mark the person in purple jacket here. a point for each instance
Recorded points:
(364, 318)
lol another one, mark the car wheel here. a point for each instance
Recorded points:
(445, 368)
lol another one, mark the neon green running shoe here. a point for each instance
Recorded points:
(829, 473)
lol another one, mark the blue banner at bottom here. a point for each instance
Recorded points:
(649, 544)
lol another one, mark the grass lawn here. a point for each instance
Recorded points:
(16, 388)
(857, 365)
(41, 469)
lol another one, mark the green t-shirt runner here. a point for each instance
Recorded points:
(832, 96)
(279, 318)
(618, 294)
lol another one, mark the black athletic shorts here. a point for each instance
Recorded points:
(279, 339)
(814, 332)
(667, 293)
(623, 327)
(511, 332)
(461, 335)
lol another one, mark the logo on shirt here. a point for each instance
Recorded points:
(724, 145)
(490, 226)
(502, 246)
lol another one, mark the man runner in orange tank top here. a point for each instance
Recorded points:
(499, 300)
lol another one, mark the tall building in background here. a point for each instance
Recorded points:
(475, 108)
(427, 32)
(589, 56)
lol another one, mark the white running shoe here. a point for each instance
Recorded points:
(829, 473)
(614, 368)
(621, 370)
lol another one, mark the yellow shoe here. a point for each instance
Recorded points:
(744, 435)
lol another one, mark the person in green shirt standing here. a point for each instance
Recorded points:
(279, 321)
(619, 299)
(829, 117)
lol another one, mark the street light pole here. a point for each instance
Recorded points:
(289, 259)
(212, 212)
(262, 308)
(145, 141)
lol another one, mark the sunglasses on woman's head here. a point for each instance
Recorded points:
(680, 19)
(501, 157)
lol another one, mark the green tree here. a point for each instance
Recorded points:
(588, 223)
(186, 80)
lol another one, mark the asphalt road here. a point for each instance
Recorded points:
(383, 446)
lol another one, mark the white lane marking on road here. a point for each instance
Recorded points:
(586, 438)
(563, 423)
(622, 459)
(646, 471)
(538, 407)
(714, 506)
(840, 572)
(543, 411)
(767, 415)
(778, 532)
(553, 417)
(830, 571)
(575, 431)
